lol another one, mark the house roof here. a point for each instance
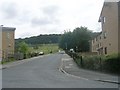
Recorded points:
(104, 5)
(100, 33)
(8, 29)
(107, 3)
(99, 20)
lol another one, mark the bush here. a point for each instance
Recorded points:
(109, 63)
(112, 63)
(92, 62)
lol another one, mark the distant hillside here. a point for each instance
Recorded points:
(46, 39)
(41, 39)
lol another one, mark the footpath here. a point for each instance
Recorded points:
(68, 66)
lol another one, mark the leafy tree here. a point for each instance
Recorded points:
(81, 38)
(78, 39)
(66, 41)
(23, 48)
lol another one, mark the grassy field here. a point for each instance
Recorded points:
(46, 48)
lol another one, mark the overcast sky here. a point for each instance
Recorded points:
(35, 17)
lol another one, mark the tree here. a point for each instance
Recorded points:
(78, 39)
(41, 39)
(81, 38)
(66, 41)
(23, 48)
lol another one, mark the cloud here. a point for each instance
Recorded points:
(51, 10)
(112, 0)
(48, 16)
(24, 17)
(9, 10)
(40, 21)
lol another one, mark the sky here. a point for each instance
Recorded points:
(35, 17)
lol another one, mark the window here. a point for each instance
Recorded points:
(8, 35)
(104, 35)
(93, 41)
(105, 50)
(9, 45)
(96, 39)
(103, 20)
(98, 45)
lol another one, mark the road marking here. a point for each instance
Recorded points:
(67, 67)
(65, 59)
(71, 64)
(109, 81)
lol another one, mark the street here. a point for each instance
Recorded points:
(43, 72)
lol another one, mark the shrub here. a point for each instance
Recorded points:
(109, 63)
(92, 62)
(112, 63)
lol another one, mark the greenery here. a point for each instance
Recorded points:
(26, 48)
(78, 39)
(41, 39)
(109, 63)
(8, 61)
(33, 50)
(112, 63)
(23, 48)
(46, 48)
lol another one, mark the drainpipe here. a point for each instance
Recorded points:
(1, 43)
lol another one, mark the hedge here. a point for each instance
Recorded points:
(109, 63)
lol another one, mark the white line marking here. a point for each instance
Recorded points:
(67, 67)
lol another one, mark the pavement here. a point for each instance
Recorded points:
(69, 67)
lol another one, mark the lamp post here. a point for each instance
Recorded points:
(76, 49)
(90, 45)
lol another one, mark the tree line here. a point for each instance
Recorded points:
(41, 39)
(79, 39)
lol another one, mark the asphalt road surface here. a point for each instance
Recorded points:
(43, 72)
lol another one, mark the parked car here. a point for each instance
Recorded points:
(41, 53)
(62, 52)
(72, 50)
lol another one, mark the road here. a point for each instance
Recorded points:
(43, 72)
